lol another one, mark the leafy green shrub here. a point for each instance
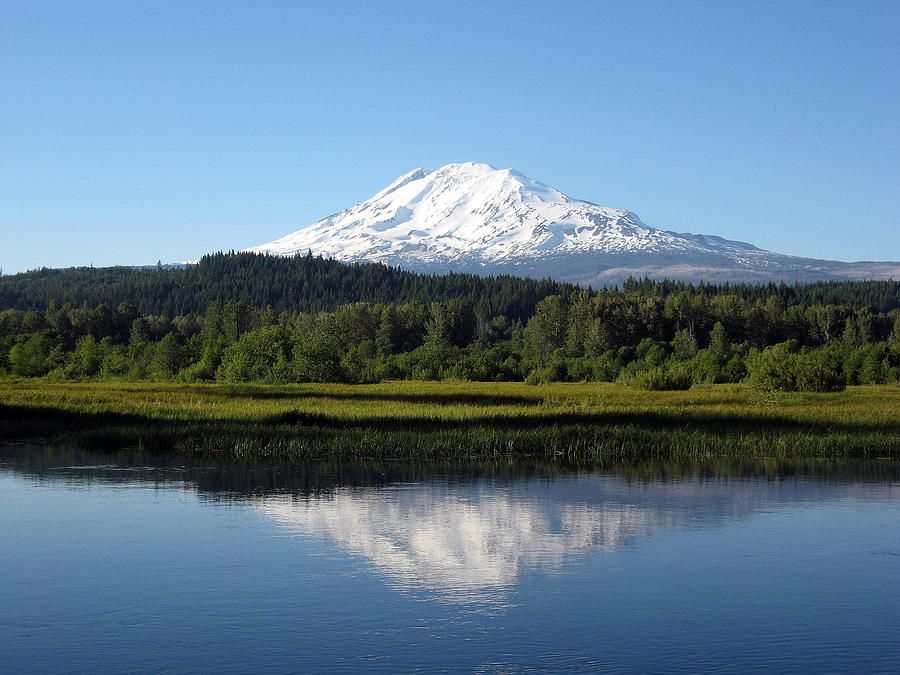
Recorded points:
(36, 354)
(870, 364)
(115, 363)
(733, 371)
(663, 378)
(87, 358)
(386, 368)
(782, 368)
(539, 376)
(261, 355)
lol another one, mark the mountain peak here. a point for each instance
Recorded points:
(467, 167)
(468, 210)
(471, 216)
(399, 182)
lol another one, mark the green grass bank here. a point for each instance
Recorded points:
(591, 423)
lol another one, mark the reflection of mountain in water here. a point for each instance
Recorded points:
(430, 537)
(472, 543)
(467, 533)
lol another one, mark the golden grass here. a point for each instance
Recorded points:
(582, 421)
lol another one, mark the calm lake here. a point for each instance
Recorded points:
(120, 563)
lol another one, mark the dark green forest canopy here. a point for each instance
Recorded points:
(296, 284)
(878, 296)
(310, 284)
(649, 338)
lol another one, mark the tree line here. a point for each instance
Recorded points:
(652, 340)
(312, 284)
(300, 283)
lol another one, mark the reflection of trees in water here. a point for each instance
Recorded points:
(467, 532)
(216, 479)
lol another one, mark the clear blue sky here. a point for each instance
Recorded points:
(137, 131)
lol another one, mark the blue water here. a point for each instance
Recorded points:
(128, 563)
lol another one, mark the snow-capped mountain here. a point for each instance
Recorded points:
(472, 217)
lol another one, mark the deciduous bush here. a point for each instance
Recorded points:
(260, 354)
(663, 378)
(783, 368)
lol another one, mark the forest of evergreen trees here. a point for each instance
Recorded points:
(239, 318)
(310, 284)
(297, 284)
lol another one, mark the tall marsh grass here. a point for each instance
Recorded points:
(575, 423)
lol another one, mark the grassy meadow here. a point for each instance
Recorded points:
(591, 423)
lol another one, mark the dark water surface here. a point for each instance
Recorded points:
(120, 563)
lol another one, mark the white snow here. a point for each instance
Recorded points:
(473, 211)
